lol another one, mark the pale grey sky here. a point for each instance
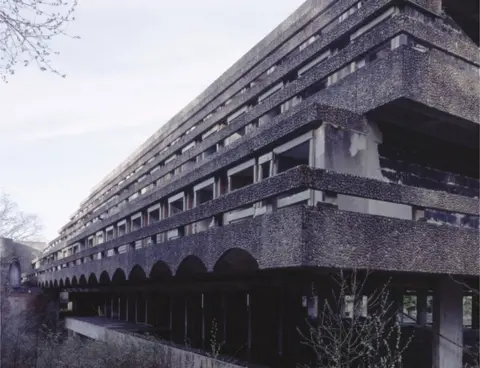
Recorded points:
(138, 62)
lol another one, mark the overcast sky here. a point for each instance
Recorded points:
(138, 62)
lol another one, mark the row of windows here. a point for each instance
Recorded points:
(298, 151)
(328, 27)
(330, 80)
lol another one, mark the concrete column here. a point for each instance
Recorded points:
(249, 328)
(170, 313)
(475, 311)
(422, 307)
(146, 309)
(224, 318)
(185, 319)
(447, 324)
(281, 311)
(203, 321)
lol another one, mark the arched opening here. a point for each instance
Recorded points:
(160, 271)
(236, 260)
(67, 282)
(119, 277)
(60, 283)
(82, 281)
(137, 274)
(190, 266)
(74, 281)
(104, 278)
(92, 279)
(55, 284)
(14, 273)
(50, 284)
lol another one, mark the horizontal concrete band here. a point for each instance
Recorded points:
(242, 149)
(382, 32)
(416, 28)
(304, 236)
(268, 57)
(301, 177)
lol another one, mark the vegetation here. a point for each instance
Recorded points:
(27, 29)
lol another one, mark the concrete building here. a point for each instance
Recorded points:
(346, 139)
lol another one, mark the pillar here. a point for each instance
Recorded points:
(422, 307)
(249, 328)
(447, 324)
(475, 311)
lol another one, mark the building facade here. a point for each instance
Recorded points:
(347, 139)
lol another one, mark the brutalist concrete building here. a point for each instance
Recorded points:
(346, 139)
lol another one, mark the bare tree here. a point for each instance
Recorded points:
(27, 28)
(356, 328)
(16, 224)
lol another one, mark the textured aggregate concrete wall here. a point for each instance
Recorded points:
(441, 37)
(301, 236)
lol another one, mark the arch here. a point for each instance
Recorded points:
(92, 279)
(159, 271)
(14, 274)
(74, 281)
(50, 284)
(104, 278)
(137, 274)
(60, 283)
(67, 282)
(55, 284)
(82, 281)
(236, 260)
(118, 277)
(191, 265)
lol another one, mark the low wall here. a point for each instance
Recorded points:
(170, 356)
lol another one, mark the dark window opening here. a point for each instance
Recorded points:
(204, 195)
(176, 206)
(298, 155)
(314, 88)
(137, 223)
(242, 178)
(154, 216)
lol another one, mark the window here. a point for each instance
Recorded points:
(176, 204)
(293, 153)
(110, 233)
(241, 176)
(307, 42)
(266, 118)
(209, 151)
(270, 92)
(136, 222)
(265, 167)
(170, 159)
(188, 147)
(153, 214)
(303, 70)
(100, 237)
(237, 114)
(204, 192)
(122, 228)
(209, 132)
(373, 23)
(287, 105)
(235, 136)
